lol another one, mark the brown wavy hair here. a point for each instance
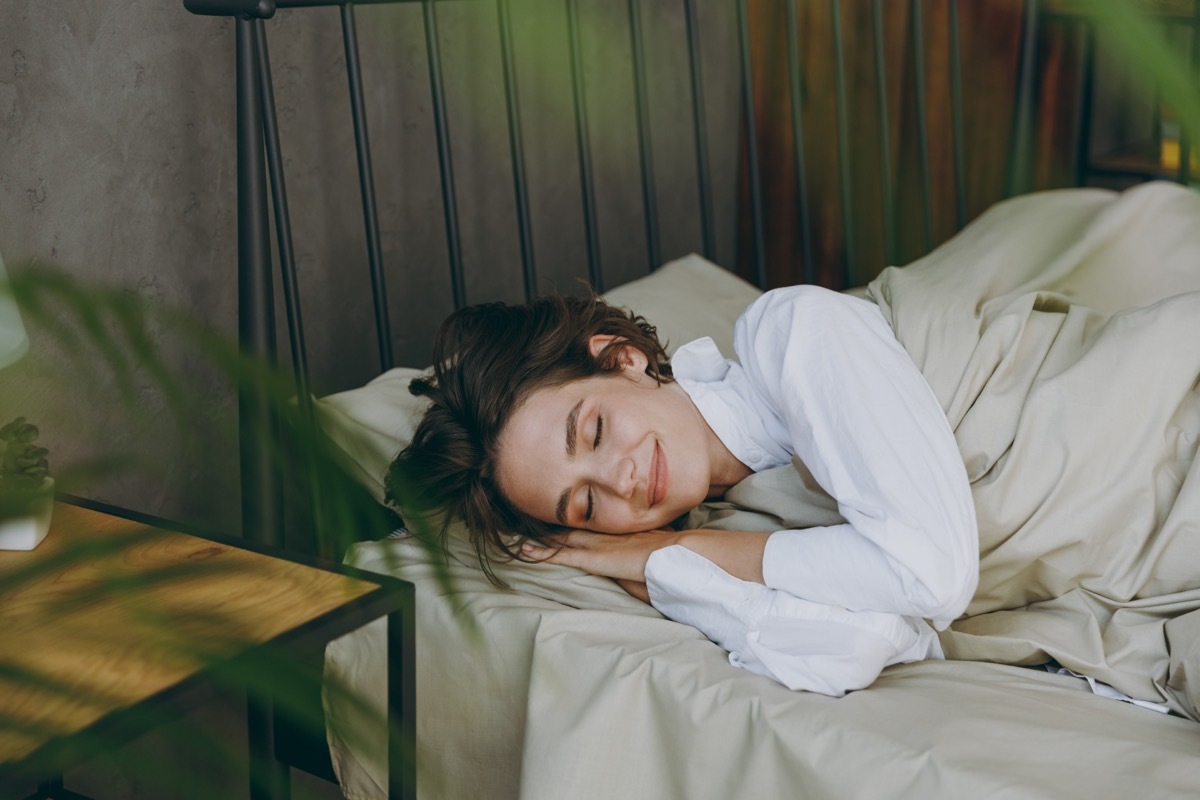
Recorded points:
(487, 360)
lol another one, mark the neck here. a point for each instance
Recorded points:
(725, 471)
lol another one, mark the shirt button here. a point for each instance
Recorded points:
(756, 456)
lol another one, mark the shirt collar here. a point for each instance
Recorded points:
(723, 394)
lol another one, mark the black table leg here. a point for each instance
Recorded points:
(52, 789)
(269, 779)
(401, 705)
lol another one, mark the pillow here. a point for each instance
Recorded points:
(483, 724)
(685, 299)
(373, 423)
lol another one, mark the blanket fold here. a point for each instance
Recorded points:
(1067, 363)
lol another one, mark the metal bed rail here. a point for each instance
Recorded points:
(257, 112)
(257, 117)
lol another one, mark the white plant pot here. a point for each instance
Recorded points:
(26, 533)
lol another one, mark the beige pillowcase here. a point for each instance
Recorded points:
(685, 299)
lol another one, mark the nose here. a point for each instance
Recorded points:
(621, 479)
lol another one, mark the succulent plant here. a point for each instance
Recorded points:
(23, 464)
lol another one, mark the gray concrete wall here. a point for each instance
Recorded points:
(117, 165)
(112, 167)
(117, 168)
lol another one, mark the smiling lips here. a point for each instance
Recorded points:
(658, 476)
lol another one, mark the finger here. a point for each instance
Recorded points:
(578, 538)
(538, 550)
(551, 542)
(563, 556)
(581, 539)
(551, 550)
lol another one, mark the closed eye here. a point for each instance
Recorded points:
(599, 432)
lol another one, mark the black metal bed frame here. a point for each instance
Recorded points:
(260, 165)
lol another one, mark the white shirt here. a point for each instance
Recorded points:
(822, 377)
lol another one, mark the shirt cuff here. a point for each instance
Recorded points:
(801, 644)
(686, 587)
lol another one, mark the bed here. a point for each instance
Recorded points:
(564, 686)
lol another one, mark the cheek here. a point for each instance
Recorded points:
(691, 486)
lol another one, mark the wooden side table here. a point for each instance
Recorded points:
(119, 619)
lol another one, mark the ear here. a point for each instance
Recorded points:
(628, 357)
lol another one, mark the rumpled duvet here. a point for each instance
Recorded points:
(1068, 367)
(1061, 334)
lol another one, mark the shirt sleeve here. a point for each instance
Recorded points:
(866, 424)
(801, 644)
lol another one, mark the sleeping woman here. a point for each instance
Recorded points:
(563, 421)
(1010, 444)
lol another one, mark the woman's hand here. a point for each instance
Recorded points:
(619, 556)
(624, 556)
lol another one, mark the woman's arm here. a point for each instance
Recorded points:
(799, 643)
(861, 417)
(623, 557)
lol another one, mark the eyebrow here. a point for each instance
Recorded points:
(573, 428)
(560, 511)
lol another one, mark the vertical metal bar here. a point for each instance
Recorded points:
(516, 151)
(956, 120)
(918, 43)
(1158, 102)
(50, 788)
(700, 130)
(283, 226)
(843, 127)
(261, 499)
(401, 700)
(445, 159)
(261, 504)
(887, 200)
(287, 267)
(1083, 111)
(366, 181)
(645, 142)
(1020, 155)
(748, 111)
(584, 148)
(1185, 142)
(801, 177)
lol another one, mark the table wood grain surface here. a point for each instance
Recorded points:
(107, 613)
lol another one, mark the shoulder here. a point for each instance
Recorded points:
(805, 307)
(811, 331)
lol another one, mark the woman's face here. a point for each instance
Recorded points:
(616, 453)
